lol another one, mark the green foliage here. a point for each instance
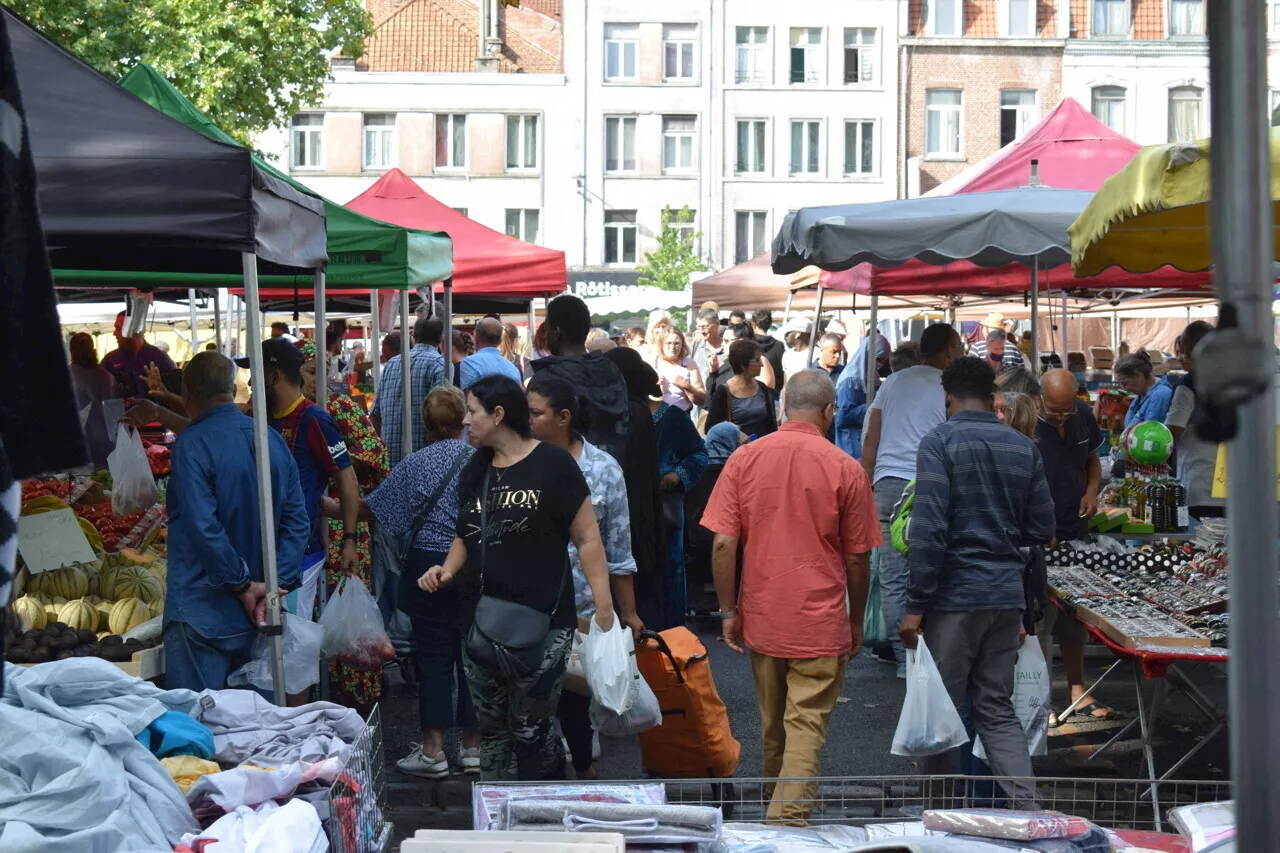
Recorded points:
(676, 257)
(249, 65)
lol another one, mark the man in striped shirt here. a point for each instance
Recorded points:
(1002, 353)
(980, 497)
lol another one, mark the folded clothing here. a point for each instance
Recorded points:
(657, 824)
(173, 733)
(760, 838)
(1011, 825)
(246, 726)
(187, 769)
(488, 802)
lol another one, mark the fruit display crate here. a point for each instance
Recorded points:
(145, 664)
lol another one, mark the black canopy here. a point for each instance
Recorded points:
(123, 186)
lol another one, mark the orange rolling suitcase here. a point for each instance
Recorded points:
(694, 740)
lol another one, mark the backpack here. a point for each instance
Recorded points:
(602, 399)
(900, 526)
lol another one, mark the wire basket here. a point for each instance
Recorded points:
(355, 802)
(861, 800)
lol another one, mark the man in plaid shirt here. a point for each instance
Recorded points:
(426, 371)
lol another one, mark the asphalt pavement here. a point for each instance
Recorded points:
(859, 736)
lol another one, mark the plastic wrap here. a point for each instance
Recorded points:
(1205, 825)
(488, 801)
(1011, 825)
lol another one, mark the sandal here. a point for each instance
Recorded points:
(1087, 712)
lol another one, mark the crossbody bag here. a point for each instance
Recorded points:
(506, 635)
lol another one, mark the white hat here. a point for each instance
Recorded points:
(994, 320)
(797, 324)
(835, 327)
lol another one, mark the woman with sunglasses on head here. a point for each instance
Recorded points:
(522, 502)
(554, 415)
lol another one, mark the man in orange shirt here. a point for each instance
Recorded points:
(805, 515)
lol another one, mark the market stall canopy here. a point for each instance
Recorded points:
(961, 277)
(362, 251)
(992, 229)
(123, 187)
(1155, 211)
(485, 262)
(753, 284)
(1073, 150)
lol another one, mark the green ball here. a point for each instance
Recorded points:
(1148, 443)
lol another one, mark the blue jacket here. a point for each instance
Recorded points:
(680, 448)
(215, 539)
(981, 494)
(851, 399)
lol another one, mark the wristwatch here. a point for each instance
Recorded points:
(348, 537)
(726, 614)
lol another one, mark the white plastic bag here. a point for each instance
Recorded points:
(643, 711)
(929, 723)
(608, 658)
(1030, 699)
(133, 488)
(353, 629)
(302, 639)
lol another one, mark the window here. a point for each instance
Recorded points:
(451, 141)
(1184, 113)
(1275, 108)
(522, 142)
(942, 122)
(678, 42)
(379, 140)
(523, 224)
(1017, 113)
(859, 147)
(944, 17)
(1187, 18)
(678, 143)
(750, 236)
(1273, 18)
(620, 51)
(1020, 18)
(308, 141)
(1110, 17)
(1108, 106)
(860, 58)
(752, 134)
(806, 146)
(619, 144)
(684, 221)
(753, 55)
(620, 237)
(806, 54)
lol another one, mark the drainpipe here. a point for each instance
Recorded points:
(586, 118)
(903, 118)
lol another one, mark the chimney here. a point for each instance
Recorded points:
(490, 45)
(1035, 174)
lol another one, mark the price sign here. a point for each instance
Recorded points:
(1220, 470)
(52, 540)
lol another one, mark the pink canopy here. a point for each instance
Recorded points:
(1073, 151)
(485, 262)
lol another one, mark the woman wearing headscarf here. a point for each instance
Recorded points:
(369, 457)
(851, 395)
(722, 440)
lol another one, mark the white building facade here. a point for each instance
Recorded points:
(609, 112)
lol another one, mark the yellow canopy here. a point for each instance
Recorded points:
(1154, 211)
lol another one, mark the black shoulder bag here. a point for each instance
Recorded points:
(506, 635)
(397, 547)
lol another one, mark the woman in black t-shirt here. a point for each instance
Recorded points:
(537, 502)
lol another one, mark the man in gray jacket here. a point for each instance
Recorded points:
(980, 496)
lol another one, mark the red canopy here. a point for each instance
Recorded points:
(485, 262)
(1074, 151)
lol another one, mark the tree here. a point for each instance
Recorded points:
(669, 266)
(250, 65)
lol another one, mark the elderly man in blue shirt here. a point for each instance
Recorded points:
(216, 596)
(487, 360)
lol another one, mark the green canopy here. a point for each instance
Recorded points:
(363, 252)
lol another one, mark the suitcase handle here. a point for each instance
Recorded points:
(664, 649)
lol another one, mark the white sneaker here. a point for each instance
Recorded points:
(417, 763)
(471, 761)
(595, 746)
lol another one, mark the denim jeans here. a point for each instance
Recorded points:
(437, 649)
(193, 662)
(892, 565)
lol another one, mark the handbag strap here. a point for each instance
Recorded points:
(421, 518)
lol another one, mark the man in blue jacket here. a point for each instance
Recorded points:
(851, 395)
(216, 598)
(980, 497)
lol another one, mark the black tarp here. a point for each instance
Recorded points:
(123, 186)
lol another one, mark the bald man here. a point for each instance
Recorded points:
(1068, 438)
(487, 360)
(804, 512)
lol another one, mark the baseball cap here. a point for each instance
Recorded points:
(835, 327)
(277, 351)
(797, 324)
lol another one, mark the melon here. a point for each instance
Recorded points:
(126, 615)
(156, 608)
(65, 583)
(30, 613)
(104, 611)
(51, 609)
(137, 582)
(78, 614)
(135, 557)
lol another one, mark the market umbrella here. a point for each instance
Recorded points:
(1026, 226)
(1155, 211)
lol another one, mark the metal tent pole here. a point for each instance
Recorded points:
(322, 348)
(1243, 245)
(873, 348)
(533, 318)
(406, 377)
(1115, 335)
(262, 451)
(786, 312)
(1066, 344)
(217, 320)
(191, 310)
(813, 329)
(376, 344)
(1035, 318)
(448, 328)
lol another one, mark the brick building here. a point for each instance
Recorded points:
(978, 73)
